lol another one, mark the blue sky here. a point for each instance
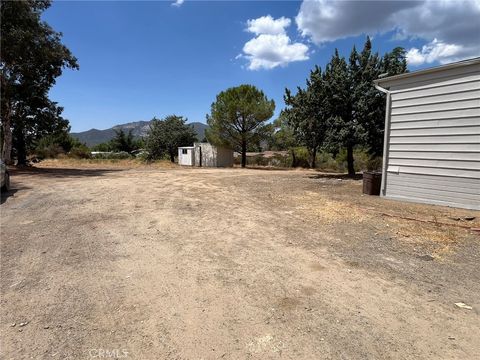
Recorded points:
(144, 59)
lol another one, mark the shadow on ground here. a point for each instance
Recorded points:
(61, 172)
(336, 176)
(6, 194)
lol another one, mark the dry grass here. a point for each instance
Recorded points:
(327, 210)
(105, 163)
(417, 225)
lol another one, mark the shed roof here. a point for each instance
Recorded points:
(431, 70)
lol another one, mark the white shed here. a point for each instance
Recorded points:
(186, 155)
(205, 155)
(432, 135)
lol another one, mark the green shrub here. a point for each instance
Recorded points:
(53, 145)
(375, 164)
(301, 157)
(80, 152)
(48, 151)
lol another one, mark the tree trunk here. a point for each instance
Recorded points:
(294, 159)
(313, 157)
(351, 168)
(21, 148)
(244, 153)
(7, 137)
(172, 157)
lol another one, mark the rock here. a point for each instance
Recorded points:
(463, 218)
(462, 305)
(46, 327)
(13, 324)
(426, 257)
(23, 324)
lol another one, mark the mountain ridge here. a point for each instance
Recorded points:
(139, 129)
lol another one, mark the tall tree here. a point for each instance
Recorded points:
(123, 141)
(238, 118)
(32, 57)
(343, 128)
(357, 109)
(341, 109)
(306, 113)
(283, 137)
(165, 136)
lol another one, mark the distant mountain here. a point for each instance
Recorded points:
(139, 129)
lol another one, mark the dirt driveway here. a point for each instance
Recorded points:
(230, 264)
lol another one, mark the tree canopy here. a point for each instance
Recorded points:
(340, 108)
(238, 118)
(165, 136)
(32, 57)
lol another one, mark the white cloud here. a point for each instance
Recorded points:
(178, 3)
(271, 47)
(432, 52)
(268, 25)
(454, 23)
(269, 51)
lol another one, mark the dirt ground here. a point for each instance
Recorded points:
(175, 263)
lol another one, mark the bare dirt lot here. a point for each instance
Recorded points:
(170, 263)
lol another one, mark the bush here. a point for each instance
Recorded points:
(301, 157)
(53, 145)
(375, 164)
(360, 156)
(80, 152)
(48, 151)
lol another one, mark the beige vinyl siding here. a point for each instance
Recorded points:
(434, 138)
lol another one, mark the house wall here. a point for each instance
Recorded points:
(433, 148)
(207, 155)
(185, 159)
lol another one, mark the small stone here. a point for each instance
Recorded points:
(13, 324)
(426, 257)
(46, 327)
(23, 323)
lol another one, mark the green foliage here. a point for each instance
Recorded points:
(374, 164)
(121, 142)
(238, 118)
(52, 145)
(32, 57)
(340, 110)
(165, 136)
(305, 114)
(303, 157)
(124, 142)
(103, 147)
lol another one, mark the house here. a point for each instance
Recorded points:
(432, 135)
(205, 155)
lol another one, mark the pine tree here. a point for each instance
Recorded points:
(306, 113)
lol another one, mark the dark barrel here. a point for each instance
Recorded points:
(372, 181)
